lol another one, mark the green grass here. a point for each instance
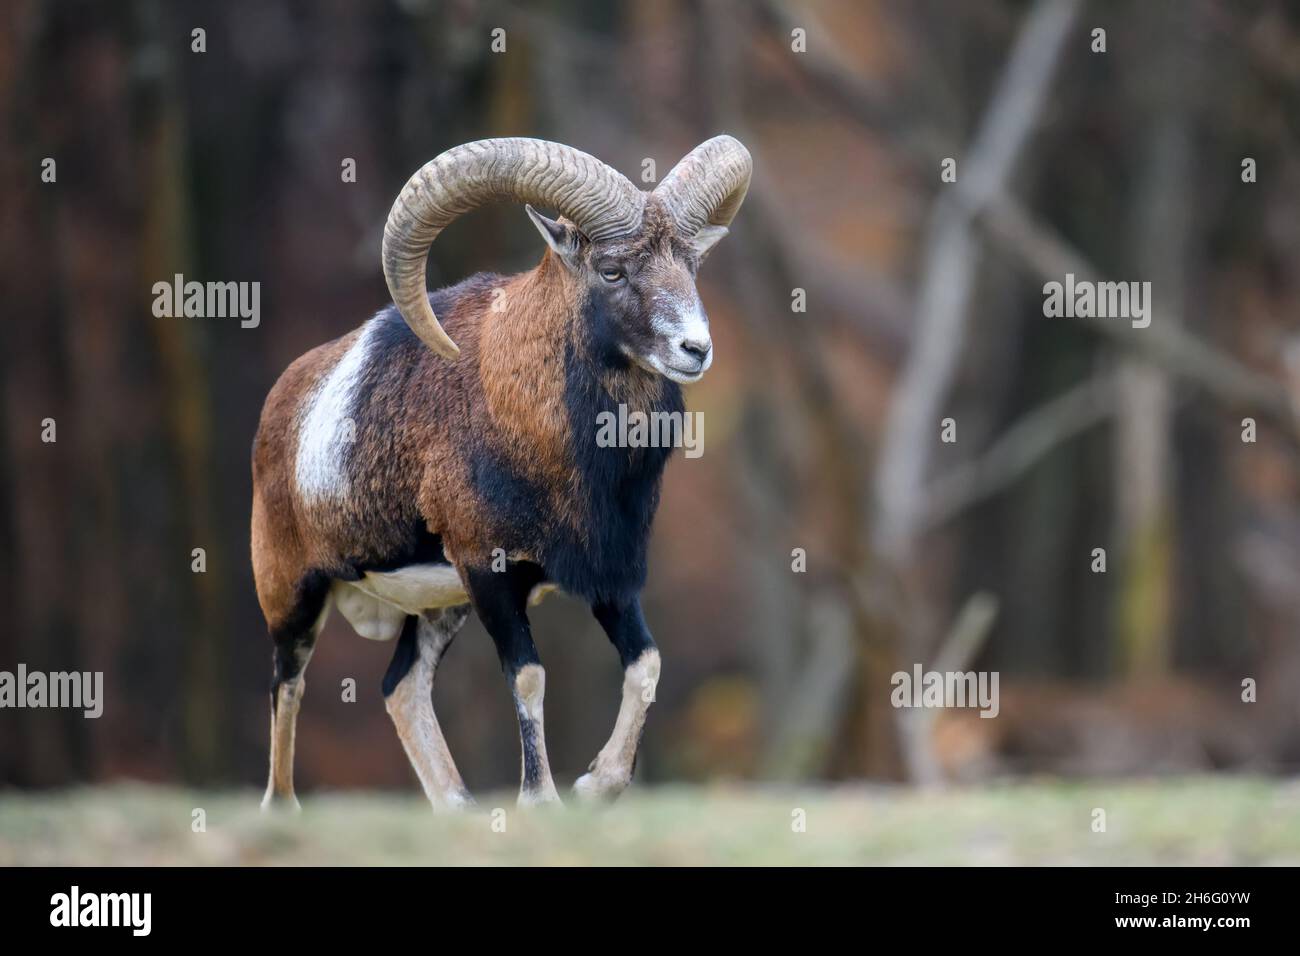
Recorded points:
(1184, 821)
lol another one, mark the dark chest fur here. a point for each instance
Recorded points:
(592, 536)
(589, 529)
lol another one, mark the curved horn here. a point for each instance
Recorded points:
(708, 185)
(599, 200)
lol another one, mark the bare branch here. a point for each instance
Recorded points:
(1018, 449)
(1050, 256)
(948, 274)
(1041, 247)
(964, 640)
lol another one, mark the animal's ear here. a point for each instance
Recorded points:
(706, 239)
(564, 239)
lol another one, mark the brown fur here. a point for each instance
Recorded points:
(505, 392)
(498, 449)
(280, 553)
(522, 370)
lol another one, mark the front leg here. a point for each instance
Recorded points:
(500, 599)
(611, 771)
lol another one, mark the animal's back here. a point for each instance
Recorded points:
(354, 467)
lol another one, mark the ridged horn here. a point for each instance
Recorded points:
(707, 186)
(599, 200)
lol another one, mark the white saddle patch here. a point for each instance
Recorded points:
(377, 605)
(327, 427)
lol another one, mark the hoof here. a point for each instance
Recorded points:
(278, 803)
(539, 798)
(594, 786)
(455, 802)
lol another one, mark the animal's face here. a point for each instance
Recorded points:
(641, 294)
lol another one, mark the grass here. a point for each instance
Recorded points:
(1184, 821)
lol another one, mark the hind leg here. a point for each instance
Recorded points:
(294, 642)
(408, 697)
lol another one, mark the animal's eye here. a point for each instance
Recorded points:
(611, 274)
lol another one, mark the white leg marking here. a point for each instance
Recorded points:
(284, 720)
(611, 771)
(529, 690)
(284, 723)
(411, 707)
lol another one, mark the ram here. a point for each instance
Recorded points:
(444, 455)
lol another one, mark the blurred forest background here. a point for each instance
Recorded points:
(924, 302)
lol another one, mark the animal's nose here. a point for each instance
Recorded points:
(696, 348)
